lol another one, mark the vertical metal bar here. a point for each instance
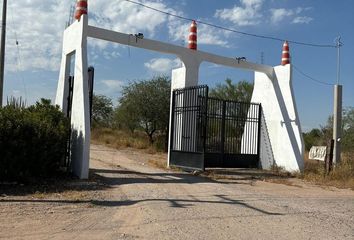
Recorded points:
(205, 119)
(185, 120)
(190, 122)
(91, 74)
(255, 128)
(242, 126)
(259, 131)
(223, 130)
(2, 49)
(250, 109)
(248, 131)
(173, 128)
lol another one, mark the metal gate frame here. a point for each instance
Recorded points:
(189, 106)
(213, 133)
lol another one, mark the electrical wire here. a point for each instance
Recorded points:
(311, 78)
(233, 30)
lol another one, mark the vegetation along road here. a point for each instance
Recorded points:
(128, 198)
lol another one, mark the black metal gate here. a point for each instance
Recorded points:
(71, 79)
(188, 121)
(210, 132)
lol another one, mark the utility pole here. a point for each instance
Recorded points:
(2, 49)
(337, 109)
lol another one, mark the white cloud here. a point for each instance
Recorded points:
(250, 13)
(113, 85)
(281, 14)
(162, 65)
(302, 20)
(126, 17)
(278, 15)
(247, 14)
(39, 27)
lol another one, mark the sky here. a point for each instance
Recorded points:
(32, 65)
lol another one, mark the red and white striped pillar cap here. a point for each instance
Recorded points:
(81, 8)
(192, 40)
(285, 56)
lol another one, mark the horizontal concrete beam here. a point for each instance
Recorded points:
(183, 53)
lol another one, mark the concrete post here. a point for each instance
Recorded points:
(337, 123)
(186, 76)
(75, 43)
(2, 49)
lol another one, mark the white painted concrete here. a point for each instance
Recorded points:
(190, 58)
(281, 118)
(272, 89)
(181, 79)
(75, 42)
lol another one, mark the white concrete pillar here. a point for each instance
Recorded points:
(186, 76)
(63, 84)
(75, 42)
(284, 140)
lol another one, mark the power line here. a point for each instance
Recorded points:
(311, 78)
(233, 30)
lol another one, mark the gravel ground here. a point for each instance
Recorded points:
(129, 199)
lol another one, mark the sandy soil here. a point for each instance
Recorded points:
(126, 198)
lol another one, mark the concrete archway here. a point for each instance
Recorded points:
(273, 89)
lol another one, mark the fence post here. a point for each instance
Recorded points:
(329, 156)
(223, 119)
(205, 119)
(259, 132)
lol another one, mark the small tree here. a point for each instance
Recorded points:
(126, 117)
(102, 111)
(348, 129)
(146, 103)
(313, 138)
(241, 91)
(320, 137)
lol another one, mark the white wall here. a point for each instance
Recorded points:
(75, 43)
(281, 118)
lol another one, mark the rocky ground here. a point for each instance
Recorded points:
(128, 198)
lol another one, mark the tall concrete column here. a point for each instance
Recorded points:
(186, 76)
(2, 49)
(337, 123)
(75, 43)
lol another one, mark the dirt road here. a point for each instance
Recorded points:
(128, 199)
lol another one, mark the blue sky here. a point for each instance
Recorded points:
(32, 67)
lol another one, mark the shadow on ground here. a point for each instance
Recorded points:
(102, 179)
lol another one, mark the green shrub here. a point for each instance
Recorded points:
(32, 141)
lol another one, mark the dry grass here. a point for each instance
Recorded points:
(342, 175)
(158, 163)
(121, 139)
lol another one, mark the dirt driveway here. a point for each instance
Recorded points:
(128, 199)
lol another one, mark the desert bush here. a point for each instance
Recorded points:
(341, 176)
(33, 141)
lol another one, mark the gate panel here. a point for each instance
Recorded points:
(209, 132)
(188, 132)
(232, 134)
